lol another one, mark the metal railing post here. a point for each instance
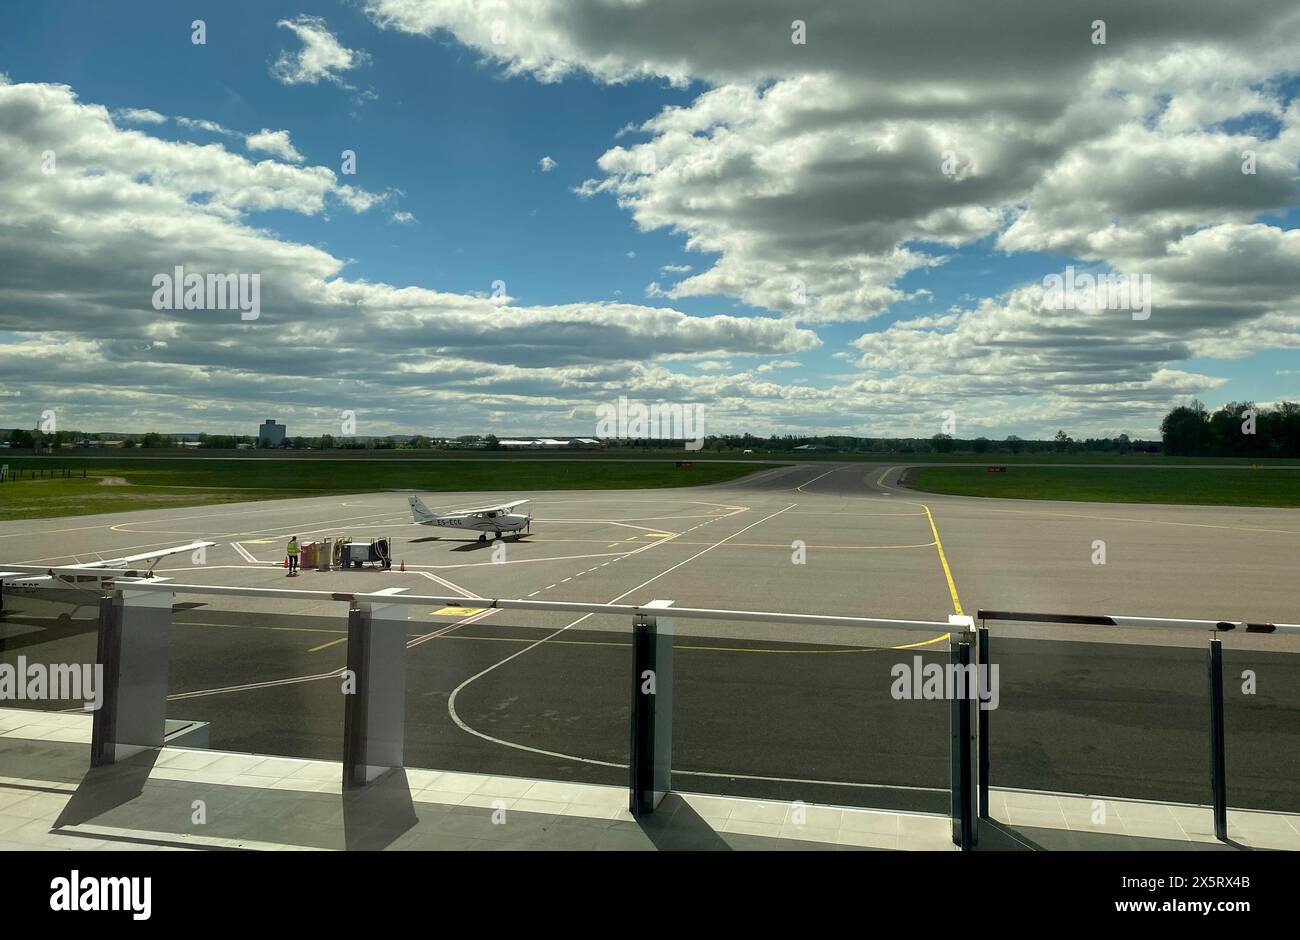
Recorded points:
(1218, 743)
(651, 751)
(374, 706)
(982, 715)
(134, 649)
(964, 726)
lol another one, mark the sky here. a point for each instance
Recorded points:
(472, 217)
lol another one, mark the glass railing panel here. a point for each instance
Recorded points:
(827, 715)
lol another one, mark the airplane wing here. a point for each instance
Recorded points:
(504, 507)
(146, 556)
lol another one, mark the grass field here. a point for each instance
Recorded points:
(1188, 486)
(90, 458)
(147, 483)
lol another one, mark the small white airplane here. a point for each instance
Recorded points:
(78, 584)
(497, 519)
(90, 570)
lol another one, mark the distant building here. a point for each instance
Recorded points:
(270, 434)
(550, 442)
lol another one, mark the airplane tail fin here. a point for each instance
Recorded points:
(419, 511)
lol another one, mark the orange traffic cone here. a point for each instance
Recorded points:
(403, 566)
(286, 562)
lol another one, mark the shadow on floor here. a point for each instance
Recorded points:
(377, 815)
(104, 789)
(996, 836)
(676, 826)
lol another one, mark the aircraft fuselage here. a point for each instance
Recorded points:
(485, 522)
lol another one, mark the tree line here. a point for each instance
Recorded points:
(1237, 429)
(1062, 443)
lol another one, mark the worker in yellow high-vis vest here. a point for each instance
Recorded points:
(293, 555)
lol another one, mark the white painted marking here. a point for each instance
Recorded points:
(800, 487)
(451, 699)
(445, 583)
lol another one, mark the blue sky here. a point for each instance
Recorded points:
(780, 163)
(460, 142)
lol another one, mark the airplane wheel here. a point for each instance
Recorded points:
(498, 536)
(483, 537)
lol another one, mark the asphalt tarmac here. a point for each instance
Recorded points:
(774, 710)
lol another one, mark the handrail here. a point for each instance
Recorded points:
(1117, 620)
(699, 613)
(162, 585)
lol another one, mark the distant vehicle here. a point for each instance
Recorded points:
(497, 519)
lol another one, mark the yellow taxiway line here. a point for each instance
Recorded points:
(943, 560)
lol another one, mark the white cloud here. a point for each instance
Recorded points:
(547, 164)
(321, 58)
(138, 116)
(210, 127)
(403, 218)
(125, 206)
(815, 178)
(273, 142)
(823, 175)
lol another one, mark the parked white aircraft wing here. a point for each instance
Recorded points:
(145, 556)
(504, 507)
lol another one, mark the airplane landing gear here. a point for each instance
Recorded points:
(482, 537)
